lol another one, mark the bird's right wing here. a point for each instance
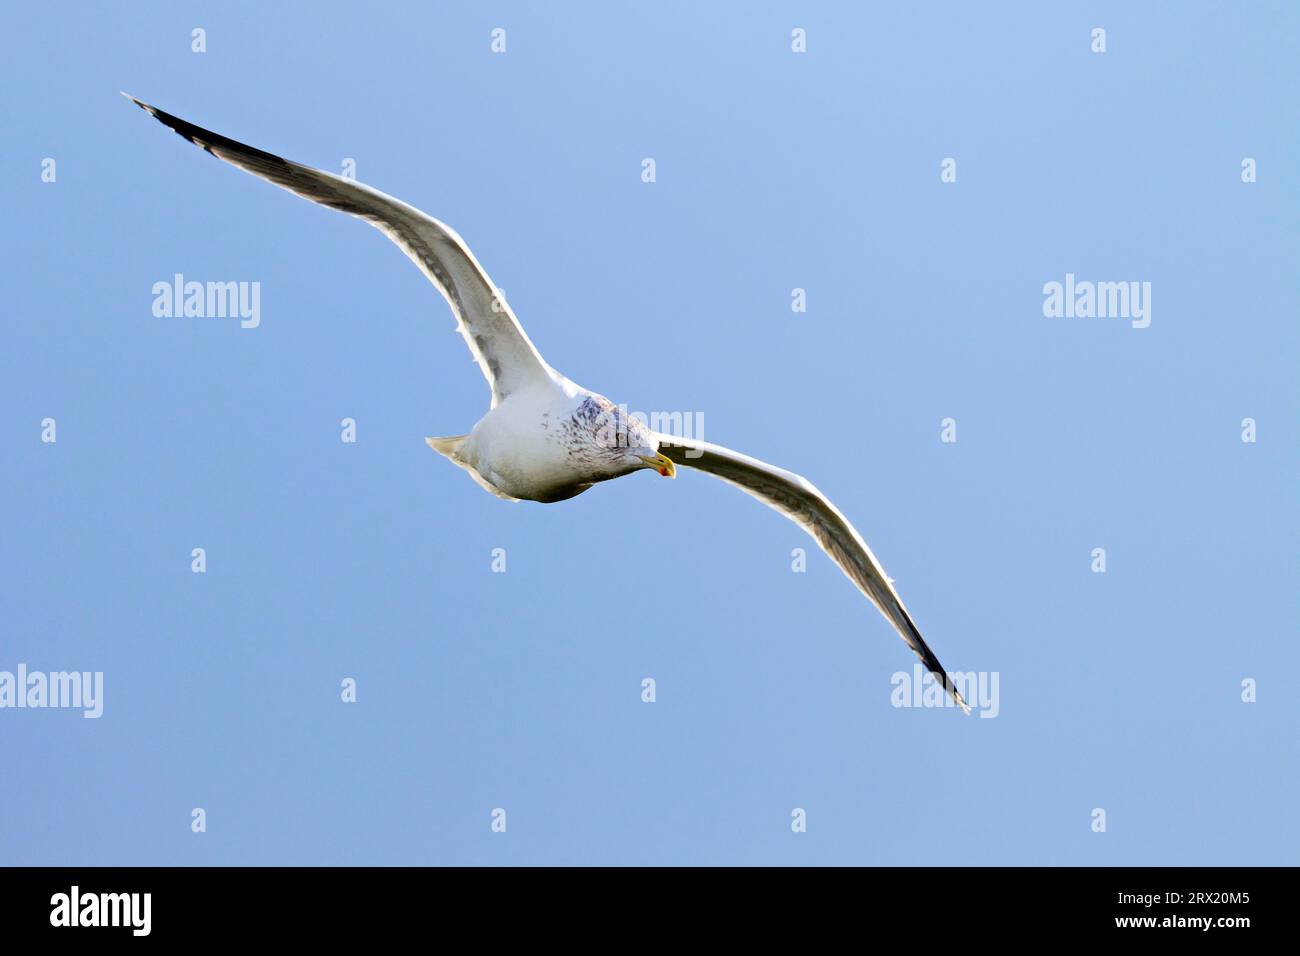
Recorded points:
(495, 339)
(801, 502)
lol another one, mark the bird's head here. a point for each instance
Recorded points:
(620, 441)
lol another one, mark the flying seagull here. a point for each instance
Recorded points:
(546, 438)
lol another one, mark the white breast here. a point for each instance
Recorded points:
(521, 447)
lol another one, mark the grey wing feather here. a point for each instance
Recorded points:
(495, 339)
(800, 501)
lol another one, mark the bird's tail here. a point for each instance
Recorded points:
(448, 446)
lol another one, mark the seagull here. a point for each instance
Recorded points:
(544, 437)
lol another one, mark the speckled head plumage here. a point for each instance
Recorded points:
(613, 441)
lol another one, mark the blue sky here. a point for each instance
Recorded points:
(522, 690)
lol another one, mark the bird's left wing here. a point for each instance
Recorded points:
(508, 358)
(800, 501)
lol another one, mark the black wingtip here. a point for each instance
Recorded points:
(140, 103)
(203, 138)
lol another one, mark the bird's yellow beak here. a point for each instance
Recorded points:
(661, 464)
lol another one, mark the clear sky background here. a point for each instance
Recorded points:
(522, 690)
